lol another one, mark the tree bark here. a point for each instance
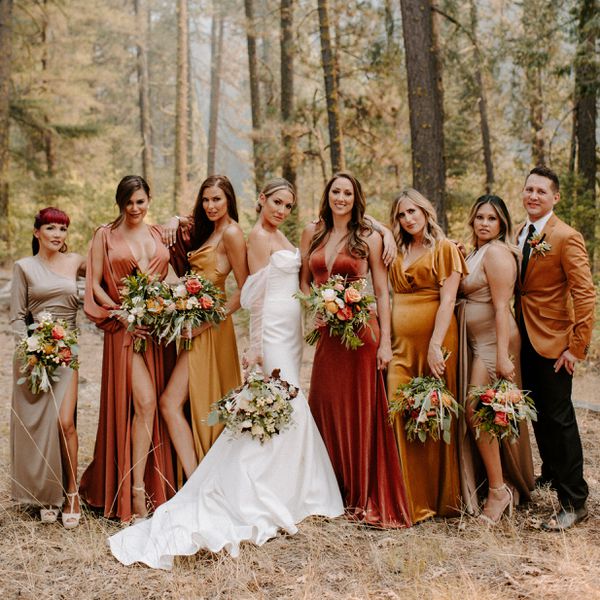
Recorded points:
(216, 54)
(181, 106)
(536, 115)
(586, 94)
(143, 91)
(287, 89)
(259, 168)
(48, 133)
(331, 89)
(6, 8)
(425, 102)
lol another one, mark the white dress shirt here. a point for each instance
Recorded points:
(539, 226)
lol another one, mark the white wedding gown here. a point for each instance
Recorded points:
(243, 490)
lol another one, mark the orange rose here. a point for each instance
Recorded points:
(352, 295)
(488, 396)
(180, 304)
(344, 313)
(434, 398)
(206, 302)
(32, 360)
(193, 286)
(331, 307)
(501, 419)
(65, 355)
(58, 333)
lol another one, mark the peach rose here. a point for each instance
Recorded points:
(434, 398)
(488, 396)
(501, 419)
(352, 295)
(206, 302)
(65, 355)
(331, 307)
(193, 286)
(58, 333)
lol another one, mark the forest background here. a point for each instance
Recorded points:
(455, 98)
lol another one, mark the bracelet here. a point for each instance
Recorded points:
(178, 218)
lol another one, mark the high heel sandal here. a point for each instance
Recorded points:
(135, 518)
(70, 520)
(49, 515)
(493, 511)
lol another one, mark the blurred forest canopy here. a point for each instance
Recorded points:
(455, 98)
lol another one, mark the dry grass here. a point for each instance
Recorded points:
(450, 560)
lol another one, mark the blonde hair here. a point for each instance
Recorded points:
(433, 232)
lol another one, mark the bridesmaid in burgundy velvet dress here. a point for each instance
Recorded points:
(347, 391)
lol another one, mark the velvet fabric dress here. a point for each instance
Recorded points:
(36, 462)
(106, 483)
(430, 468)
(349, 404)
(477, 326)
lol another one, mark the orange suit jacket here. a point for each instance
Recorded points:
(557, 296)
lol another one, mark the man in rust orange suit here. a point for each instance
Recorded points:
(555, 312)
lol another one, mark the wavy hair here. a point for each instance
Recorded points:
(126, 188)
(358, 227)
(433, 232)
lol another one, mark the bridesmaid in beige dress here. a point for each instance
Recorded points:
(43, 437)
(490, 346)
(214, 247)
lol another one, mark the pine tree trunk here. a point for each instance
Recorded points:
(181, 106)
(587, 77)
(331, 89)
(48, 133)
(287, 89)
(259, 169)
(216, 53)
(144, 91)
(6, 8)
(536, 115)
(425, 102)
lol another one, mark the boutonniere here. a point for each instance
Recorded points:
(539, 246)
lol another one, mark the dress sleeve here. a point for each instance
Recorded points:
(447, 260)
(179, 250)
(253, 299)
(19, 305)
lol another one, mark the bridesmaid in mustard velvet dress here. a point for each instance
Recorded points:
(490, 347)
(214, 247)
(132, 462)
(424, 278)
(347, 390)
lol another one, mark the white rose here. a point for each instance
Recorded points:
(246, 424)
(328, 295)
(257, 429)
(45, 317)
(180, 291)
(33, 343)
(191, 303)
(340, 302)
(130, 318)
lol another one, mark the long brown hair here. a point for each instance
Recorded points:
(505, 235)
(127, 186)
(358, 227)
(203, 226)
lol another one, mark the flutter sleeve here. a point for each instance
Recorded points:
(253, 299)
(448, 259)
(19, 305)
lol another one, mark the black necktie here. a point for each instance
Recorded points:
(527, 250)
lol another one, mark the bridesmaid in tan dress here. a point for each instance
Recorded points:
(490, 346)
(424, 278)
(132, 462)
(215, 246)
(43, 438)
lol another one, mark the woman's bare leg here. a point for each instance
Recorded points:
(69, 444)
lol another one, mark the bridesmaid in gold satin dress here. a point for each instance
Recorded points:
(425, 278)
(215, 246)
(490, 346)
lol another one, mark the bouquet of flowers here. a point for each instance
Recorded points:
(51, 345)
(427, 406)
(499, 407)
(143, 299)
(344, 306)
(192, 301)
(260, 407)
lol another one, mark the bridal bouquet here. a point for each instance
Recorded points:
(143, 299)
(499, 407)
(344, 306)
(51, 345)
(260, 407)
(193, 300)
(427, 407)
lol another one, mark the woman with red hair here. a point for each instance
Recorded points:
(42, 427)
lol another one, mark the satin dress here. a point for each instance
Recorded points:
(106, 483)
(430, 468)
(244, 490)
(349, 404)
(36, 463)
(478, 339)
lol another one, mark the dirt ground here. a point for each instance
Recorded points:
(440, 559)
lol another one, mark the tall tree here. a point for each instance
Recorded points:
(6, 7)
(48, 132)
(141, 15)
(259, 168)
(331, 78)
(587, 76)
(181, 106)
(216, 55)
(287, 89)
(425, 102)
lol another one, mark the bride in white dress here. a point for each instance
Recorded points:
(242, 490)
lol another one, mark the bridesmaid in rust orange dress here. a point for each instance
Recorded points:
(132, 462)
(347, 391)
(424, 278)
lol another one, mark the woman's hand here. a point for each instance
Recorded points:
(390, 249)
(319, 321)
(250, 359)
(190, 334)
(169, 231)
(505, 368)
(435, 360)
(141, 332)
(384, 356)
